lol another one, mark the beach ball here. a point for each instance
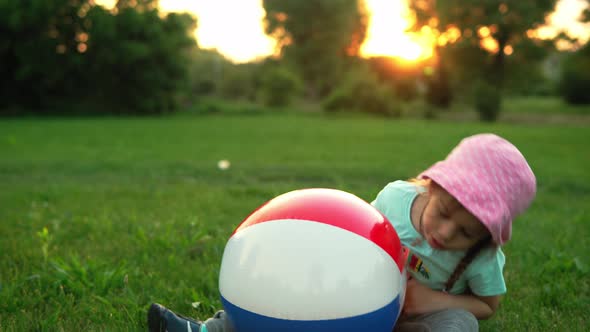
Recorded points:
(313, 260)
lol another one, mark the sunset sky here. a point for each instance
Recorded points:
(245, 39)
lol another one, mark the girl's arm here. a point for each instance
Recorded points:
(420, 299)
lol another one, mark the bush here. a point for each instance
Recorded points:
(361, 91)
(529, 79)
(279, 86)
(215, 105)
(439, 92)
(575, 77)
(71, 53)
(406, 89)
(238, 81)
(137, 59)
(488, 100)
(404, 77)
(206, 71)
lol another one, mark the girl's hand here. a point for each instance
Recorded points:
(419, 299)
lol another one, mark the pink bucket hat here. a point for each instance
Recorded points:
(490, 178)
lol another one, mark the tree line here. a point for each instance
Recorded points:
(69, 55)
(66, 55)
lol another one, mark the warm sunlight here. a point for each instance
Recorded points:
(244, 40)
(387, 35)
(236, 29)
(565, 19)
(233, 27)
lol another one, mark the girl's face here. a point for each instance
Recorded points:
(447, 225)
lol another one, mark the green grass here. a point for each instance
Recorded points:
(100, 217)
(542, 106)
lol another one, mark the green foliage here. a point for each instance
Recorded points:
(543, 106)
(488, 100)
(267, 82)
(317, 37)
(279, 86)
(402, 76)
(206, 72)
(34, 36)
(510, 19)
(45, 240)
(464, 61)
(140, 5)
(406, 88)
(575, 77)
(361, 91)
(532, 69)
(240, 81)
(438, 86)
(72, 52)
(80, 278)
(211, 74)
(213, 105)
(137, 60)
(529, 79)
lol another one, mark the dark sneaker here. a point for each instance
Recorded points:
(161, 319)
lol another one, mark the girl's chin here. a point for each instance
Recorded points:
(435, 244)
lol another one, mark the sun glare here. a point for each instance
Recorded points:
(236, 28)
(233, 27)
(565, 19)
(387, 33)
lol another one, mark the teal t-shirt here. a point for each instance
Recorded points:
(433, 267)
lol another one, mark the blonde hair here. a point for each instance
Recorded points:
(424, 182)
(466, 260)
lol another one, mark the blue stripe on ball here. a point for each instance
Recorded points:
(381, 320)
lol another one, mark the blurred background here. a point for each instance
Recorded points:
(392, 58)
(136, 134)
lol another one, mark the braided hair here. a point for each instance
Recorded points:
(465, 261)
(471, 252)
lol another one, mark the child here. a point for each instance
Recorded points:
(453, 219)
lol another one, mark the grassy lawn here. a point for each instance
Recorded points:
(100, 217)
(543, 105)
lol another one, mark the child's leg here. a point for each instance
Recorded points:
(449, 320)
(161, 319)
(219, 323)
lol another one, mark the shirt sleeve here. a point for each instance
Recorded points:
(486, 276)
(390, 193)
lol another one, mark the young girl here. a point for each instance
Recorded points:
(453, 219)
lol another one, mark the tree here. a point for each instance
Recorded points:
(499, 24)
(575, 70)
(575, 77)
(138, 60)
(56, 54)
(140, 5)
(317, 37)
(40, 59)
